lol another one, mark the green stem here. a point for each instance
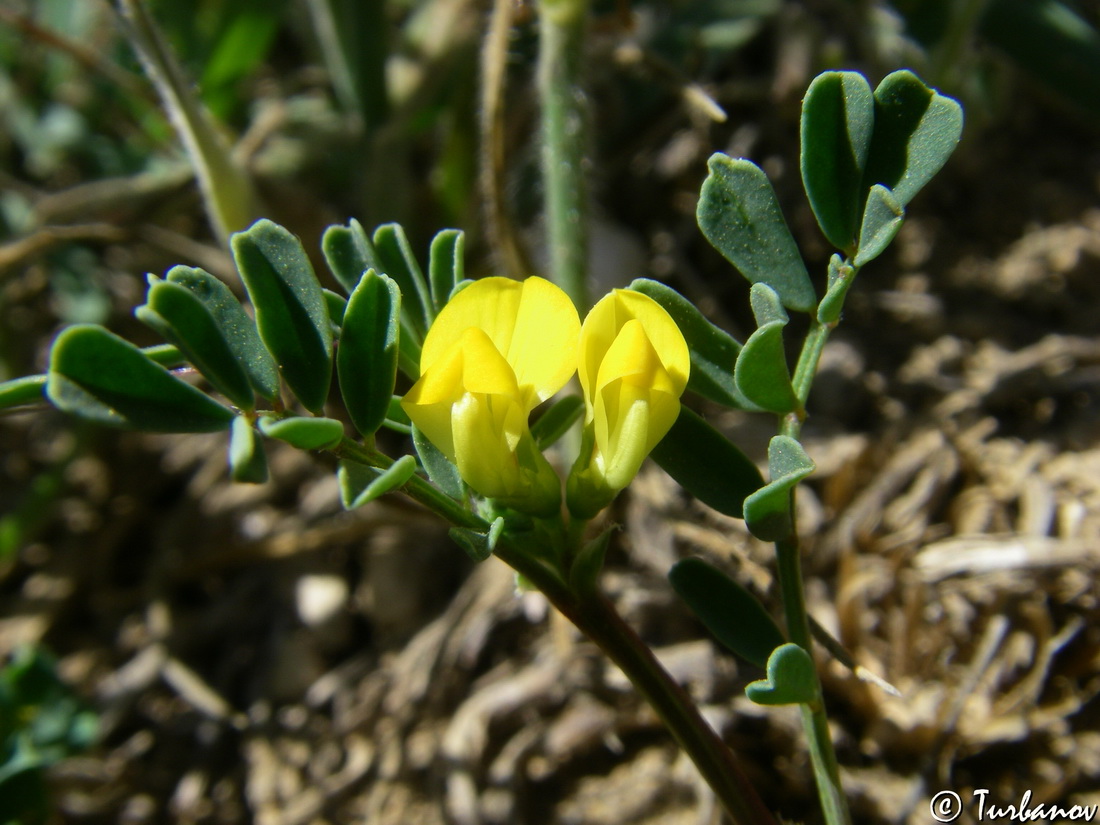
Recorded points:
(815, 723)
(600, 622)
(597, 618)
(561, 51)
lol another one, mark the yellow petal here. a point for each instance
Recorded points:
(473, 365)
(607, 321)
(532, 323)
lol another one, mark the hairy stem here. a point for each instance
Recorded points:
(561, 51)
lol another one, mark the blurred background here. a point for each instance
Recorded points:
(178, 648)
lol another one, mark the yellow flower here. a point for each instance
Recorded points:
(634, 365)
(498, 349)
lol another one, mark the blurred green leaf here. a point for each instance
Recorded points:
(97, 375)
(731, 613)
(1052, 42)
(768, 510)
(761, 371)
(584, 573)
(790, 681)
(556, 421)
(366, 360)
(838, 115)
(707, 464)
(740, 216)
(713, 350)
(247, 458)
(446, 266)
(916, 130)
(19, 391)
(303, 432)
(360, 484)
(882, 219)
(291, 313)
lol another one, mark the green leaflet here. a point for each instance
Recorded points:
(97, 375)
(442, 472)
(732, 614)
(838, 115)
(396, 259)
(882, 218)
(360, 484)
(235, 324)
(247, 459)
(916, 130)
(478, 546)
(768, 510)
(446, 266)
(291, 312)
(707, 464)
(740, 216)
(366, 360)
(180, 317)
(303, 432)
(349, 253)
(790, 681)
(761, 373)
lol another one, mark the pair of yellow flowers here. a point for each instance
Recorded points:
(501, 347)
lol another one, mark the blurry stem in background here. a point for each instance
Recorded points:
(598, 619)
(564, 142)
(230, 199)
(511, 256)
(352, 36)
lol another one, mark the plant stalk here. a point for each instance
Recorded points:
(815, 723)
(597, 619)
(564, 142)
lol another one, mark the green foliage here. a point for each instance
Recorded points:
(478, 546)
(99, 376)
(761, 373)
(198, 314)
(791, 679)
(768, 510)
(838, 115)
(303, 432)
(556, 421)
(247, 459)
(740, 216)
(396, 259)
(360, 484)
(730, 612)
(446, 265)
(707, 464)
(442, 472)
(366, 361)
(291, 312)
(41, 722)
(865, 155)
